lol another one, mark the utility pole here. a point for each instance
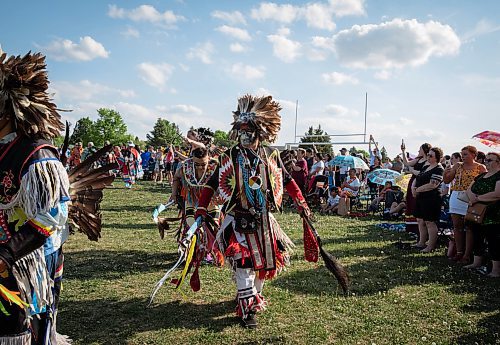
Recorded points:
(296, 115)
(366, 107)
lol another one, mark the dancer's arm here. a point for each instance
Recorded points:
(45, 212)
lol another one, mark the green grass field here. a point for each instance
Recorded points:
(397, 296)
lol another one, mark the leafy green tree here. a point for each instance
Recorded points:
(164, 133)
(142, 144)
(84, 131)
(58, 141)
(110, 126)
(317, 135)
(364, 153)
(221, 138)
(353, 151)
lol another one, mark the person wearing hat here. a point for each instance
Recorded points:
(34, 198)
(249, 182)
(343, 169)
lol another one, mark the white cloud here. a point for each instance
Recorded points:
(185, 109)
(316, 54)
(241, 71)
(233, 18)
(236, 48)
(155, 75)
(395, 44)
(85, 90)
(284, 48)
(261, 92)
(338, 110)
(131, 33)
(338, 78)
(136, 111)
(343, 8)
(87, 49)
(322, 43)
(318, 15)
(202, 52)
(239, 34)
(146, 13)
(287, 105)
(271, 11)
(187, 115)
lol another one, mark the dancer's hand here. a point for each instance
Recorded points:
(304, 210)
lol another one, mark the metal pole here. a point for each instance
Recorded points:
(296, 114)
(366, 107)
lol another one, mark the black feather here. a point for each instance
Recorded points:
(64, 158)
(331, 263)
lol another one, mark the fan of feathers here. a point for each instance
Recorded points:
(86, 186)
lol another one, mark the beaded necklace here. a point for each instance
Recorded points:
(252, 182)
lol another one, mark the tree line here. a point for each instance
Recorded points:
(111, 127)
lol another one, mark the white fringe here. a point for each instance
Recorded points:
(63, 339)
(40, 188)
(280, 235)
(19, 339)
(32, 277)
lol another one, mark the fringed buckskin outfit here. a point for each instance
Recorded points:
(33, 213)
(34, 200)
(250, 186)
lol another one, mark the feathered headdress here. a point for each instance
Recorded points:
(205, 135)
(260, 112)
(24, 97)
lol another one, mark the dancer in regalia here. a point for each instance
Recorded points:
(37, 197)
(250, 180)
(190, 178)
(34, 199)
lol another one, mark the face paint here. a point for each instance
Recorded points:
(247, 137)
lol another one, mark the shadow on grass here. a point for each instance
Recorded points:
(488, 333)
(105, 264)
(128, 208)
(133, 226)
(123, 319)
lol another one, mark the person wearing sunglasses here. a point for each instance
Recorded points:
(486, 189)
(428, 200)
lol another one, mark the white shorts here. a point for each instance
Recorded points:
(457, 206)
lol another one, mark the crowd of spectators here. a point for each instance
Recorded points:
(439, 185)
(437, 196)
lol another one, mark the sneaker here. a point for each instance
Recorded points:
(250, 321)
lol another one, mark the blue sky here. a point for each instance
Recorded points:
(431, 68)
